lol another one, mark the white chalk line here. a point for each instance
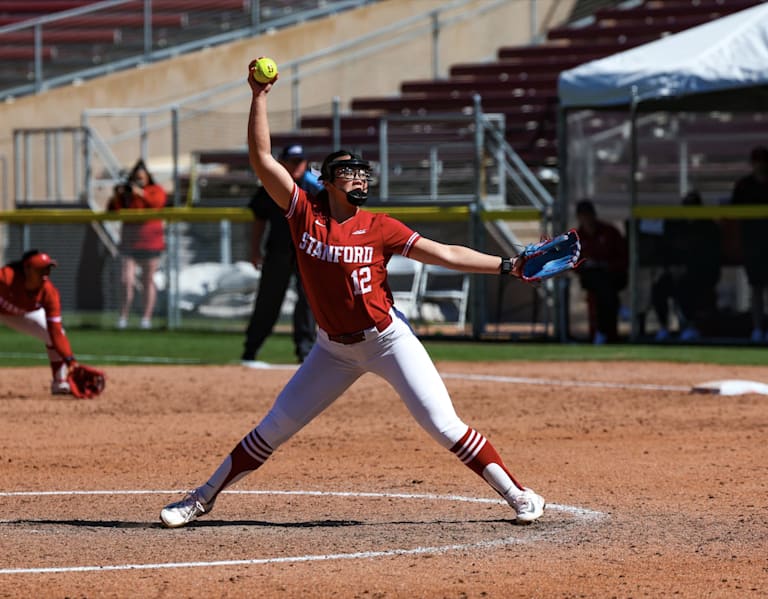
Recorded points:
(581, 513)
(446, 375)
(101, 357)
(562, 383)
(521, 380)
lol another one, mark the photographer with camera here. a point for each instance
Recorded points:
(141, 243)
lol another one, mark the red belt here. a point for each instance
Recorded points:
(351, 338)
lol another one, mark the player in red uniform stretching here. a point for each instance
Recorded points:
(30, 304)
(342, 252)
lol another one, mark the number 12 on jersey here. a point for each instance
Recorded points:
(361, 280)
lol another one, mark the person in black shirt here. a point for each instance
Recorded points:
(278, 265)
(753, 189)
(690, 281)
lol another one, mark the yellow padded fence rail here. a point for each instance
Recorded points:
(411, 214)
(701, 212)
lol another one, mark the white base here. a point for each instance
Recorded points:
(731, 387)
(255, 364)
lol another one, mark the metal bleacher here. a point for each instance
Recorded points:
(47, 43)
(522, 82)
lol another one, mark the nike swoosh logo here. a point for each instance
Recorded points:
(319, 223)
(360, 232)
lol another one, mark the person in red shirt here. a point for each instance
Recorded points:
(603, 272)
(30, 304)
(141, 244)
(342, 253)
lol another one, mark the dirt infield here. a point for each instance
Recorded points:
(653, 492)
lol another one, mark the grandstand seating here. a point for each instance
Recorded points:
(116, 33)
(522, 82)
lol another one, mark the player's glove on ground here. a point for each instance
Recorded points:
(86, 382)
(549, 257)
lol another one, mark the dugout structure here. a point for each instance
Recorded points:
(639, 129)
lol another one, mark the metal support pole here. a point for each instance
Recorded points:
(435, 16)
(383, 159)
(38, 57)
(147, 28)
(18, 178)
(534, 21)
(57, 165)
(49, 174)
(77, 167)
(175, 155)
(336, 115)
(682, 150)
(172, 279)
(173, 310)
(477, 285)
(434, 175)
(501, 161)
(255, 16)
(560, 222)
(87, 159)
(633, 236)
(28, 188)
(225, 241)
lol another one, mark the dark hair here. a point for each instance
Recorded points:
(759, 154)
(692, 198)
(586, 207)
(140, 166)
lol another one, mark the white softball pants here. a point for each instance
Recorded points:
(395, 354)
(33, 324)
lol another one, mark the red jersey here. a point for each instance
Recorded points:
(149, 234)
(16, 300)
(605, 246)
(343, 266)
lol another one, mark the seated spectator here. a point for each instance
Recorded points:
(603, 274)
(691, 279)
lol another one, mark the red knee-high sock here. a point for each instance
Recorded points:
(246, 457)
(477, 452)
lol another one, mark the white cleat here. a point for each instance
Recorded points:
(528, 505)
(185, 511)
(60, 388)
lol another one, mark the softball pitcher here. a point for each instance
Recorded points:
(342, 252)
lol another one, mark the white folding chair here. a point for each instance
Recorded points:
(404, 276)
(442, 285)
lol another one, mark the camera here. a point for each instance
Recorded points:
(123, 192)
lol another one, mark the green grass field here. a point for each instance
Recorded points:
(136, 347)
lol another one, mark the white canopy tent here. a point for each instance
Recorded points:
(723, 55)
(721, 65)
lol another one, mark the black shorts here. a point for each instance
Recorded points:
(141, 254)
